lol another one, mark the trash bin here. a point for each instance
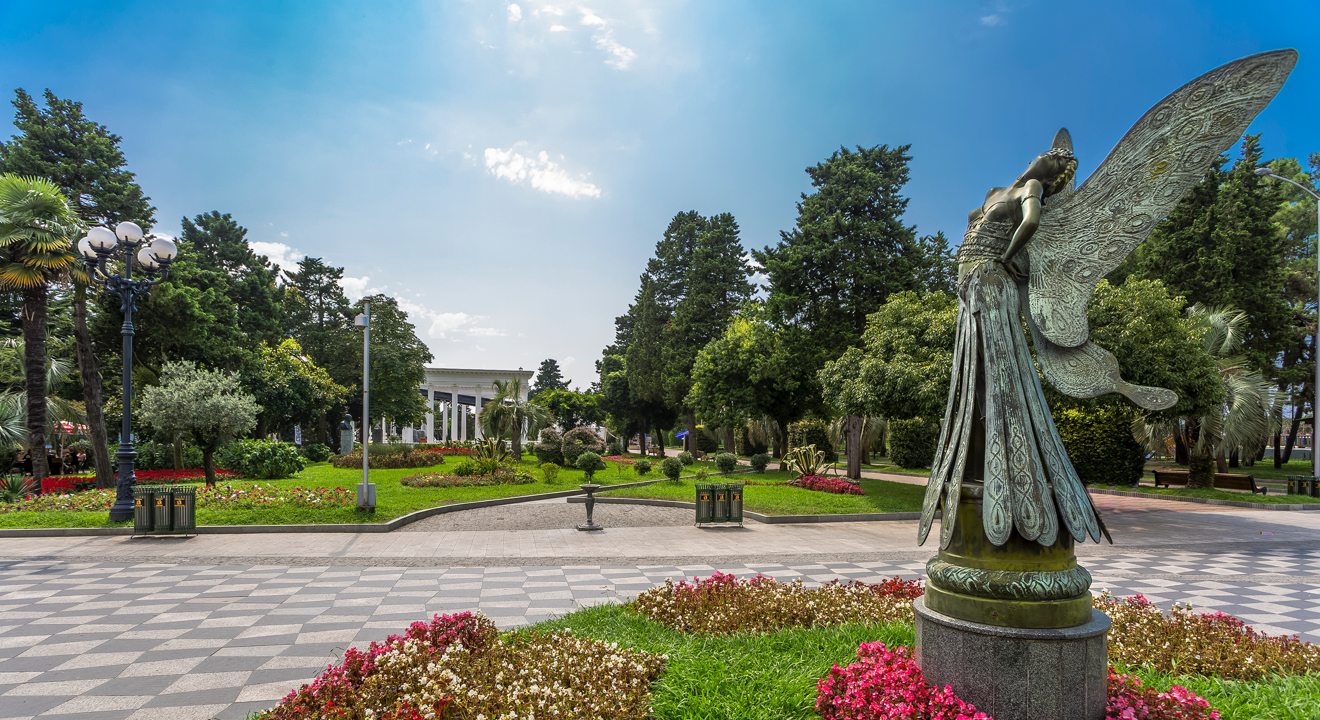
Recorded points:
(1298, 485)
(705, 503)
(1312, 486)
(185, 509)
(721, 509)
(735, 503)
(143, 496)
(161, 510)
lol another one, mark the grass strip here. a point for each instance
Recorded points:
(1277, 697)
(1212, 494)
(881, 496)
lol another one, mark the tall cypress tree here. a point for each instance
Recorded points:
(548, 378)
(83, 157)
(219, 243)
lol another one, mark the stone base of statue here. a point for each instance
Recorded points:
(1017, 673)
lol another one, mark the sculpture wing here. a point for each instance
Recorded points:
(1086, 233)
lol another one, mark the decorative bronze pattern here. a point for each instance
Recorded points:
(985, 240)
(1008, 584)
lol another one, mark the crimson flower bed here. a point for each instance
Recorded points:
(77, 483)
(621, 458)
(833, 485)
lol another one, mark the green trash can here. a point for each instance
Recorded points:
(735, 503)
(1299, 485)
(161, 510)
(185, 509)
(705, 503)
(721, 513)
(143, 497)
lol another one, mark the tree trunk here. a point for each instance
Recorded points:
(1179, 449)
(34, 365)
(641, 442)
(1292, 437)
(208, 464)
(853, 438)
(690, 442)
(1221, 463)
(1201, 461)
(660, 441)
(730, 444)
(178, 451)
(91, 382)
(1233, 457)
(781, 437)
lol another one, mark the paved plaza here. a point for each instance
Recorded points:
(220, 626)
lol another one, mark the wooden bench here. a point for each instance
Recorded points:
(1223, 481)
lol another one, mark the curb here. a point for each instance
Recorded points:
(767, 519)
(1206, 501)
(384, 527)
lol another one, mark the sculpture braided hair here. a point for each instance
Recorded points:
(1070, 169)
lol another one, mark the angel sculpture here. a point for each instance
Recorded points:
(1036, 250)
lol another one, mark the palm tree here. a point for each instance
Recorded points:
(508, 413)
(36, 227)
(1249, 414)
(13, 372)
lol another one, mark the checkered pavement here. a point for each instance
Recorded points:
(110, 641)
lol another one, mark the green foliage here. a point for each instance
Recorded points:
(613, 447)
(550, 472)
(550, 447)
(744, 445)
(398, 363)
(490, 448)
(726, 462)
(216, 243)
(1100, 444)
(912, 442)
(261, 459)
(508, 413)
(902, 368)
(760, 461)
(160, 456)
(672, 467)
(291, 389)
(705, 442)
(15, 487)
(747, 372)
(589, 462)
(205, 406)
(685, 458)
(814, 433)
(571, 408)
(642, 467)
(806, 460)
(548, 378)
(318, 315)
(317, 452)
(581, 440)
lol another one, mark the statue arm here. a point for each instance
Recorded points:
(1030, 220)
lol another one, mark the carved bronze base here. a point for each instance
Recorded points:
(1019, 584)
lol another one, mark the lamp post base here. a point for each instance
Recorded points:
(123, 507)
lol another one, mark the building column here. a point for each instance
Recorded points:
(453, 413)
(430, 415)
(477, 415)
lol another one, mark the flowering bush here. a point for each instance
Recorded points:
(85, 501)
(822, 483)
(166, 477)
(1128, 700)
(503, 476)
(620, 459)
(884, 685)
(67, 483)
(246, 496)
(723, 604)
(459, 666)
(1192, 643)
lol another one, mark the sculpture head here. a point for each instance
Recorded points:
(1054, 169)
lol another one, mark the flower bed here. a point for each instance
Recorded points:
(65, 484)
(723, 604)
(499, 477)
(622, 459)
(1191, 643)
(410, 459)
(239, 496)
(822, 483)
(459, 666)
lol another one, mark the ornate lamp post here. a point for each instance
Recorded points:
(1315, 405)
(126, 245)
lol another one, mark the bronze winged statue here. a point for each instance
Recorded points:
(1035, 250)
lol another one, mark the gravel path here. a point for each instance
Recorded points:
(551, 516)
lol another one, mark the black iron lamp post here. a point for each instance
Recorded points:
(126, 245)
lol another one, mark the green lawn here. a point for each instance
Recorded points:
(1270, 499)
(774, 675)
(881, 495)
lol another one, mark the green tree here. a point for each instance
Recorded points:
(318, 315)
(291, 389)
(215, 242)
(207, 406)
(36, 249)
(508, 415)
(548, 377)
(398, 363)
(84, 159)
(571, 408)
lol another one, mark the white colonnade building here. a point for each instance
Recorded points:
(455, 397)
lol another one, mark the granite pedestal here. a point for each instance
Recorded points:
(1017, 673)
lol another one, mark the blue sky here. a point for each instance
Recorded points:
(505, 170)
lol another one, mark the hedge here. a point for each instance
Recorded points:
(1101, 446)
(550, 447)
(812, 432)
(581, 440)
(912, 442)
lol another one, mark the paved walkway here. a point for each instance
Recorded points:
(109, 628)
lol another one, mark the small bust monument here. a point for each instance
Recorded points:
(346, 435)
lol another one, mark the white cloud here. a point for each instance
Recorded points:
(354, 288)
(515, 12)
(549, 10)
(558, 28)
(991, 20)
(444, 323)
(281, 255)
(543, 174)
(486, 332)
(590, 18)
(621, 57)
(567, 361)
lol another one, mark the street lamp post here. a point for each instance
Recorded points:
(1315, 403)
(126, 245)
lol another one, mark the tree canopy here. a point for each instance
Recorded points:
(207, 406)
(548, 377)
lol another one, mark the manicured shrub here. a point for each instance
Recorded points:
(581, 440)
(833, 485)
(317, 452)
(685, 457)
(470, 467)
(549, 448)
(261, 459)
(760, 462)
(726, 462)
(550, 472)
(642, 467)
(704, 442)
(812, 432)
(1129, 699)
(407, 458)
(1101, 446)
(912, 442)
(589, 462)
(672, 467)
(613, 448)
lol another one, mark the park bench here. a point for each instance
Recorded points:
(1223, 481)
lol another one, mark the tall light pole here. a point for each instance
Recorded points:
(366, 492)
(98, 248)
(1315, 402)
